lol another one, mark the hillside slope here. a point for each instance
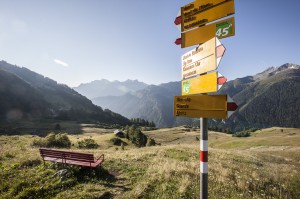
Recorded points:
(31, 95)
(266, 99)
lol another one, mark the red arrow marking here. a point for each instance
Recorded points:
(231, 106)
(178, 41)
(221, 80)
(178, 20)
(220, 50)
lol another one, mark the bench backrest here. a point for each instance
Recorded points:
(82, 157)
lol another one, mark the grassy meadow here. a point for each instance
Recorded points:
(264, 165)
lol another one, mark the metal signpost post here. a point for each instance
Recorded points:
(203, 158)
(199, 75)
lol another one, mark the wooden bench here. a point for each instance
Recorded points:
(74, 158)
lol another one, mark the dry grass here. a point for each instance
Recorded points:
(265, 165)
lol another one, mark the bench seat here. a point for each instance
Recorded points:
(74, 158)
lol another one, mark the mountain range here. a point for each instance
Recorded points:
(103, 87)
(269, 98)
(26, 95)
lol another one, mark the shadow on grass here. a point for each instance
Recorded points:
(87, 174)
(98, 174)
(79, 175)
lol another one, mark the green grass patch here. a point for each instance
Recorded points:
(177, 154)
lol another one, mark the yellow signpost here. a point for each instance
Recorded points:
(208, 106)
(206, 16)
(207, 83)
(199, 66)
(220, 29)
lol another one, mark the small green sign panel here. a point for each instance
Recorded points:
(186, 87)
(224, 29)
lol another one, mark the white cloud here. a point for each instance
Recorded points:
(61, 63)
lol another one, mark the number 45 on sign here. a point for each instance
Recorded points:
(224, 29)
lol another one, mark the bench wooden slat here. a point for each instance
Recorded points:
(89, 157)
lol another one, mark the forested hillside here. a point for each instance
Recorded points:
(26, 95)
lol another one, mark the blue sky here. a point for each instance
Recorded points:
(78, 41)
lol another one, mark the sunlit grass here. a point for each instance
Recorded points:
(242, 170)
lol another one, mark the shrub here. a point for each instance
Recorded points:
(135, 135)
(87, 143)
(60, 140)
(118, 142)
(151, 142)
(241, 134)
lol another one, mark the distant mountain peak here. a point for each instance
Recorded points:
(275, 70)
(103, 87)
(288, 66)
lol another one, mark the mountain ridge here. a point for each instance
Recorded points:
(245, 91)
(104, 87)
(56, 101)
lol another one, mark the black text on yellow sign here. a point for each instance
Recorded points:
(198, 6)
(201, 18)
(206, 106)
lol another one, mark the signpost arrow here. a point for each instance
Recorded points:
(207, 83)
(202, 59)
(206, 106)
(231, 106)
(178, 41)
(178, 20)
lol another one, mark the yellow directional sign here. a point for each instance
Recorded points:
(201, 84)
(208, 15)
(207, 106)
(220, 29)
(198, 6)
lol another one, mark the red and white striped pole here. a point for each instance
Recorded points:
(203, 159)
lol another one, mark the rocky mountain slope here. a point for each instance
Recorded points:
(26, 95)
